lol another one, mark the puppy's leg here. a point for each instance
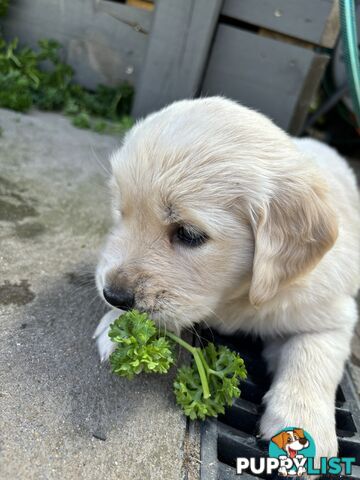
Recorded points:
(309, 368)
(271, 353)
(104, 344)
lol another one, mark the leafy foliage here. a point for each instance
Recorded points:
(140, 349)
(40, 78)
(202, 389)
(224, 370)
(4, 5)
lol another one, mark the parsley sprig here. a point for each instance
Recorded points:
(202, 389)
(140, 349)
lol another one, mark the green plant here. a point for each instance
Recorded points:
(202, 388)
(4, 5)
(223, 371)
(140, 349)
(40, 78)
(81, 120)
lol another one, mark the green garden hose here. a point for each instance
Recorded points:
(351, 53)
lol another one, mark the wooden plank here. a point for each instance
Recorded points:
(310, 85)
(104, 41)
(139, 20)
(178, 48)
(259, 72)
(315, 21)
(145, 4)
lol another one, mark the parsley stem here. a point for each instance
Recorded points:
(200, 362)
(202, 358)
(214, 372)
(202, 373)
(179, 340)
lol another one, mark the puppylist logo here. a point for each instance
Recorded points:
(291, 453)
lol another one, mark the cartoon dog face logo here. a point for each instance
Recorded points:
(291, 441)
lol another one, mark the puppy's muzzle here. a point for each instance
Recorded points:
(122, 298)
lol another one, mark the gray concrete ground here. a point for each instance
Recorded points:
(62, 414)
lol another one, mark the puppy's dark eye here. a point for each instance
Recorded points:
(190, 237)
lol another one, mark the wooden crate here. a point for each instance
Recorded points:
(274, 77)
(104, 41)
(267, 54)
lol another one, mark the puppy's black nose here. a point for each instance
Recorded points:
(119, 298)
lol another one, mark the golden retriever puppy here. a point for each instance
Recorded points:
(220, 216)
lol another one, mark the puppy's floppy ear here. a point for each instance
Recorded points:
(280, 440)
(292, 231)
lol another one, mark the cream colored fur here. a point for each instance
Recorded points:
(282, 258)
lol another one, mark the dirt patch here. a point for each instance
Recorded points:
(13, 207)
(16, 293)
(29, 230)
(11, 212)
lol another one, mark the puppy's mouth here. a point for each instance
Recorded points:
(159, 316)
(153, 312)
(164, 320)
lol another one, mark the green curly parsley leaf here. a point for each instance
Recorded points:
(140, 348)
(224, 370)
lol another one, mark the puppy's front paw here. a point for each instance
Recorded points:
(104, 344)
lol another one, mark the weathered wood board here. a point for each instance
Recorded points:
(178, 48)
(262, 73)
(314, 21)
(103, 40)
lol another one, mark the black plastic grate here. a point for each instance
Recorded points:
(233, 434)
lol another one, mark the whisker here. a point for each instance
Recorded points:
(99, 162)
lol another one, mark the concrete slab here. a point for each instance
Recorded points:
(62, 414)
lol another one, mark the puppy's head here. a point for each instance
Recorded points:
(211, 202)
